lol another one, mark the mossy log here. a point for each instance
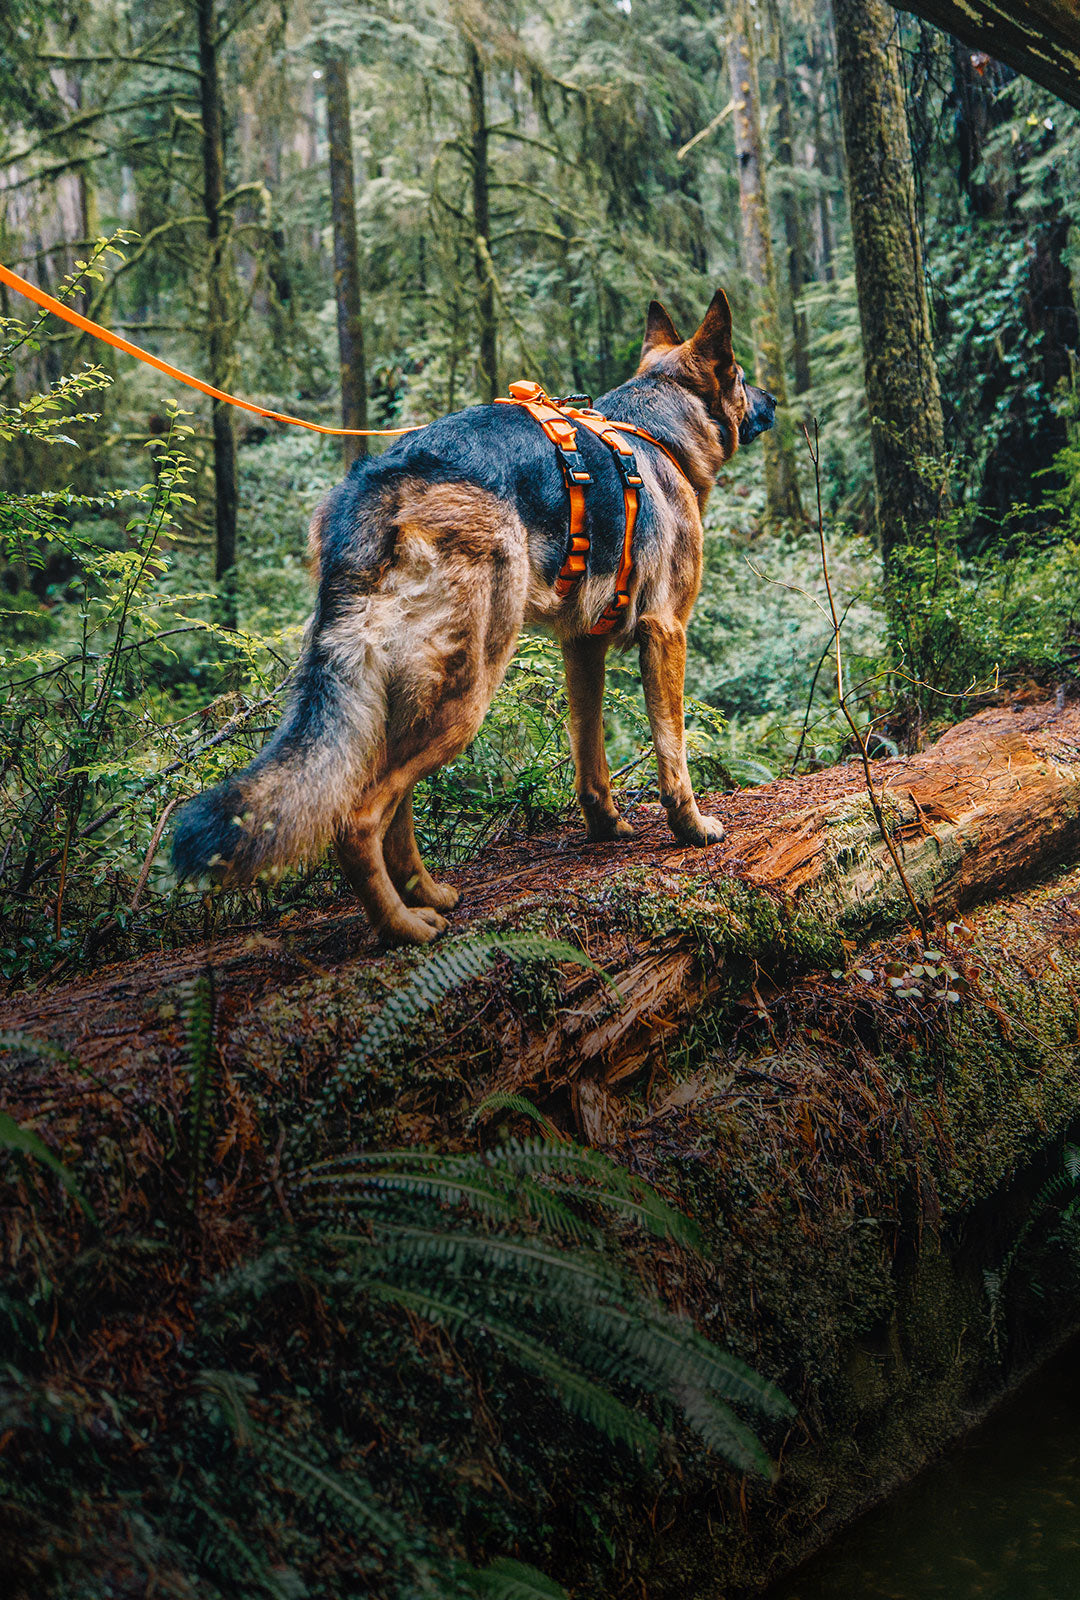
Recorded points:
(802, 869)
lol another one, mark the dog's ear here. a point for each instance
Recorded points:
(712, 342)
(659, 330)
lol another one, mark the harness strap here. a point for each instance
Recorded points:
(556, 424)
(563, 435)
(623, 457)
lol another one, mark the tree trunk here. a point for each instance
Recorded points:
(483, 266)
(902, 391)
(781, 485)
(219, 309)
(824, 154)
(798, 267)
(346, 255)
(1040, 38)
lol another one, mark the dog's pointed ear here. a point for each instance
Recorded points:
(659, 330)
(712, 342)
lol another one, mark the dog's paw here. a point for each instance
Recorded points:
(599, 829)
(418, 926)
(698, 831)
(422, 892)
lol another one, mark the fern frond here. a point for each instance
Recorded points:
(609, 1184)
(199, 1019)
(13, 1043)
(722, 1431)
(501, 1100)
(513, 1580)
(438, 973)
(369, 1181)
(571, 1273)
(359, 1502)
(237, 1547)
(594, 1404)
(24, 1141)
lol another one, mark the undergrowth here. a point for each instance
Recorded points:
(329, 1338)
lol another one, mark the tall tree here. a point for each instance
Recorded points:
(350, 323)
(781, 484)
(902, 390)
(481, 219)
(798, 267)
(219, 313)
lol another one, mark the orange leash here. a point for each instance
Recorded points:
(529, 395)
(30, 291)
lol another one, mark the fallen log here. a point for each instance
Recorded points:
(803, 867)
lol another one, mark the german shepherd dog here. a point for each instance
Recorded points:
(431, 558)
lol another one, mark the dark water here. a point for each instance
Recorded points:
(997, 1519)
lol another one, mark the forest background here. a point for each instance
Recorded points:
(382, 213)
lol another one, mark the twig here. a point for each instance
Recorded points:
(841, 694)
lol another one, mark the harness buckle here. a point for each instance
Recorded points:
(574, 463)
(627, 468)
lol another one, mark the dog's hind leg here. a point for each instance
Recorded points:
(662, 644)
(405, 865)
(367, 857)
(583, 659)
(360, 850)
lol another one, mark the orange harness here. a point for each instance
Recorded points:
(555, 421)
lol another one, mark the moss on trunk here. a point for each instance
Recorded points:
(902, 390)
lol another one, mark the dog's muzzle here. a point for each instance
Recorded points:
(759, 417)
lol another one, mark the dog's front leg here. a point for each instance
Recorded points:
(584, 662)
(662, 643)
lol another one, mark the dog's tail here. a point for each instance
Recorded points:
(287, 805)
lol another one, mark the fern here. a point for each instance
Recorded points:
(513, 1580)
(502, 1100)
(1060, 1184)
(503, 1177)
(199, 1019)
(438, 973)
(24, 1141)
(353, 1498)
(387, 1210)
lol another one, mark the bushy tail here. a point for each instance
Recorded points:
(288, 803)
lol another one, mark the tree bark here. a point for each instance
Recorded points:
(350, 323)
(902, 391)
(1040, 38)
(485, 280)
(798, 267)
(781, 484)
(219, 324)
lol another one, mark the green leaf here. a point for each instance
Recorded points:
(26, 1142)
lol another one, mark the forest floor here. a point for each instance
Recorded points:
(857, 1122)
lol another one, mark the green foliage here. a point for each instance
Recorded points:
(24, 1141)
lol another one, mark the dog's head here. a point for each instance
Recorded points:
(705, 364)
